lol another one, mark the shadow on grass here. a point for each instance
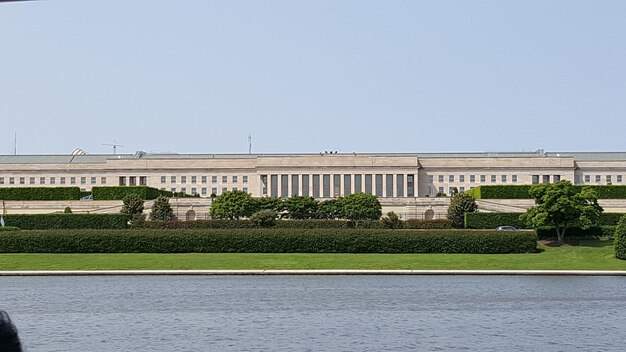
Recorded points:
(578, 242)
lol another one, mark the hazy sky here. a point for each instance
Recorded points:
(365, 76)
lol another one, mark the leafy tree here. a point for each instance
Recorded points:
(269, 203)
(300, 207)
(392, 221)
(361, 206)
(233, 205)
(460, 204)
(161, 210)
(132, 204)
(330, 209)
(559, 205)
(264, 218)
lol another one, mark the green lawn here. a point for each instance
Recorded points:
(587, 255)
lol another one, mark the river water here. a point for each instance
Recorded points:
(317, 313)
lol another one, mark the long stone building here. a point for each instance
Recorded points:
(398, 179)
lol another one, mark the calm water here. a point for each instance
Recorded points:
(317, 313)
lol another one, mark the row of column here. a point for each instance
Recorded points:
(338, 185)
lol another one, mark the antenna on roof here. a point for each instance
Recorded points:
(249, 143)
(114, 145)
(14, 143)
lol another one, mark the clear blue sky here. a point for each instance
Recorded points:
(365, 76)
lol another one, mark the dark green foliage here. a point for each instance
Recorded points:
(428, 224)
(233, 205)
(66, 221)
(9, 228)
(201, 224)
(137, 220)
(620, 239)
(460, 204)
(264, 218)
(300, 207)
(312, 224)
(85, 193)
(268, 203)
(132, 205)
(268, 241)
(40, 193)
(523, 191)
(118, 193)
(392, 221)
(361, 206)
(67, 210)
(296, 224)
(545, 233)
(162, 210)
(481, 220)
(330, 209)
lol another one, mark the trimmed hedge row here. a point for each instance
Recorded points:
(481, 220)
(295, 224)
(66, 221)
(9, 228)
(118, 193)
(40, 193)
(620, 239)
(522, 191)
(576, 232)
(268, 241)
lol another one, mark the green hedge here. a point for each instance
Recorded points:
(40, 193)
(522, 191)
(296, 224)
(9, 228)
(200, 224)
(576, 232)
(118, 193)
(66, 221)
(268, 241)
(620, 239)
(482, 220)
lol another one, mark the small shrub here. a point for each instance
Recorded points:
(264, 218)
(392, 221)
(67, 210)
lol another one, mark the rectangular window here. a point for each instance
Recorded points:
(203, 192)
(587, 178)
(284, 186)
(132, 180)
(93, 180)
(263, 185)
(368, 184)
(556, 178)
(295, 185)
(11, 180)
(619, 178)
(546, 178)
(245, 179)
(472, 178)
(163, 179)
(503, 178)
(608, 179)
(42, 181)
(336, 186)
(172, 179)
(183, 190)
(483, 178)
(440, 178)
(122, 180)
(493, 178)
(1, 180)
(183, 180)
(597, 178)
(103, 180)
(213, 179)
(431, 179)
(358, 183)
(143, 180)
(235, 180)
(326, 186)
(213, 191)
(461, 189)
(194, 190)
(273, 185)
(305, 185)
(194, 179)
(389, 186)
(514, 178)
(535, 179)
(224, 189)
(23, 180)
(347, 185)
(224, 179)
(461, 178)
(31, 180)
(53, 180)
(62, 180)
(245, 189)
(452, 190)
(410, 185)
(173, 189)
(399, 185)
(450, 178)
(441, 190)
(379, 185)
(204, 178)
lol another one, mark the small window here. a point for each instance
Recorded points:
(11, 180)
(483, 178)
(213, 180)
(619, 178)
(224, 179)
(53, 180)
(83, 180)
(73, 180)
(608, 179)
(163, 179)
(183, 179)
(245, 179)
(204, 191)
(132, 180)
(514, 178)
(62, 180)
(103, 180)
(503, 178)
(461, 178)
(451, 178)
(440, 189)
(173, 189)
(556, 178)
(546, 178)
(183, 190)
(93, 180)
(1, 180)
(214, 190)
(461, 189)
(143, 180)
(23, 180)
(535, 179)
(598, 178)
(245, 189)
(172, 179)
(194, 179)
(441, 178)
(472, 178)
(194, 190)
(31, 180)
(431, 179)
(42, 180)
(224, 189)
(234, 179)
(234, 189)
(493, 178)
(203, 179)
(587, 178)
